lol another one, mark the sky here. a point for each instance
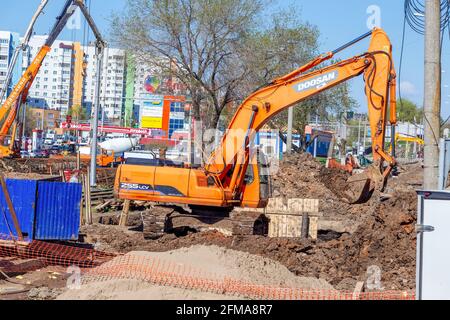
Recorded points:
(337, 21)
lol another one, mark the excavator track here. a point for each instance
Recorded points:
(161, 220)
(246, 223)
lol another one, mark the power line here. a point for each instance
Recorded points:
(415, 14)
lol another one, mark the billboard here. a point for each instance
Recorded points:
(152, 112)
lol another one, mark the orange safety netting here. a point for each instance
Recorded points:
(99, 266)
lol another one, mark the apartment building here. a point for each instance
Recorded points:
(44, 119)
(112, 91)
(8, 42)
(53, 86)
(68, 77)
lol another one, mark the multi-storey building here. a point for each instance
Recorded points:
(8, 43)
(67, 78)
(53, 86)
(112, 91)
(44, 119)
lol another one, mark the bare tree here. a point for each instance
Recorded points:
(194, 40)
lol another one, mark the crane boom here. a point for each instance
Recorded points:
(18, 96)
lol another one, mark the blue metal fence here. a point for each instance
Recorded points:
(45, 210)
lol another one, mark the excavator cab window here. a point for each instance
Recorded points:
(263, 171)
(265, 182)
(249, 175)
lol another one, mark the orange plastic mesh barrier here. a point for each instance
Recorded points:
(53, 253)
(167, 273)
(99, 266)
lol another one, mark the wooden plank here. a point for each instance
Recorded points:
(305, 226)
(124, 216)
(290, 226)
(11, 207)
(83, 201)
(88, 198)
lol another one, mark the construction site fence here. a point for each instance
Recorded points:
(96, 266)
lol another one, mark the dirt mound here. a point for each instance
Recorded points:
(302, 176)
(384, 235)
(211, 262)
(238, 265)
(385, 239)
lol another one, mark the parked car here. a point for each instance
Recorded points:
(55, 149)
(24, 154)
(42, 154)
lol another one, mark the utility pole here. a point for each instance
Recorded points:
(289, 130)
(432, 94)
(94, 124)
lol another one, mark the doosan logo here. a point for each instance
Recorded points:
(317, 83)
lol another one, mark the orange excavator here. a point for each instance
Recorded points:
(236, 175)
(17, 98)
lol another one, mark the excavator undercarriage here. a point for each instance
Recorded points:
(162, 219)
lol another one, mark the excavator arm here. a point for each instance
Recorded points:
(231, 178)
(230, 161)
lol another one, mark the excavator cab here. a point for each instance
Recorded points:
(257, 189)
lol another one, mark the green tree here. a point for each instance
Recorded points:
(77, 112)
(408, 111)
(31, 122)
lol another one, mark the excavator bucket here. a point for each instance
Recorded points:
(360, 187)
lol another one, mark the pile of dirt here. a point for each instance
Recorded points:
(384, 240)
(302, 176)
(207, 261)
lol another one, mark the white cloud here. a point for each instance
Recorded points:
(408, 88)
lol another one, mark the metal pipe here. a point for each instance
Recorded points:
(393, 143)
(289, 130)
(96, 106)
(348, 44)
(66, 13)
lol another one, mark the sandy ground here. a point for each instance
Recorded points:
(208, 261)
(135, 290)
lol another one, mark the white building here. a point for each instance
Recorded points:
(54, 84)
(52, 87)
(8, 43)
(112, 90)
